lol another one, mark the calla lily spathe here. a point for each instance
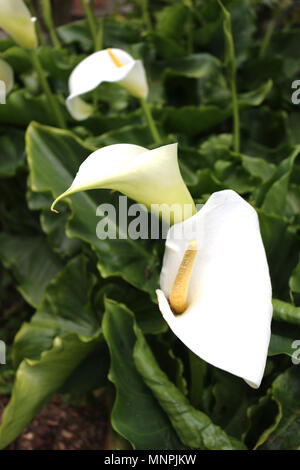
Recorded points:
(16, 20)
(229, 299)
(108, 65)
(147, 176)
(6, 75)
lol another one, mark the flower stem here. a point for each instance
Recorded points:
(47, 90)
(267, 38)
(197, 374)
(47, 15)
(146, 14)
(236, 117)
(38, 28)
(88, 10)
(97, 35)
(150, 121)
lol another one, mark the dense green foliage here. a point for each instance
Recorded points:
(85, 317)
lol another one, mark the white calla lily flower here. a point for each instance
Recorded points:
(108, 65)
(147, 176)
(6, 75)
(223, 288)
(16, 20)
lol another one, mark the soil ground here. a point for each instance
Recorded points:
(60, 426)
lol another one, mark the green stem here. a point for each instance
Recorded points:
(236, 116)
(38, 28)
(146, 14)
(197, 374)
(150, 121)
(267, 38)
(99, 38)
(47, 15)
(47, 90)
(87, 8)
(97, 35)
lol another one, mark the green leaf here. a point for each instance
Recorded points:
(191, 120)
(167, 48)
(121, 33)
(137, 135)
(281, 246)
(285, 392)
(136, 415)
(232, 399)
(62, 310)
(54, 157)
(193, 66)
(32, 262)
(171, 21)
(21, 108)
(258, 167)
(283, 339)
(147, 314)
(18, 59)
(63, 332)
(12, 156)
(37, 380)
(194, 428)
(77, 33)
(274, 193)
(295, 280)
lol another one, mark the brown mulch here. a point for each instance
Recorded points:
(60, 426)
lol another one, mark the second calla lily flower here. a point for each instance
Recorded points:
(6, 75)
(16, 20)
(148, 176)
(215, 286)
(108, 65)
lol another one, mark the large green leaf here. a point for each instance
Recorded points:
(194, 428)
(37, 380)
(64, 332)
(54, 157)
(32, 262)
(136, 415)
(62, 310)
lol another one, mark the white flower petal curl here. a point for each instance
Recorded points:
(15, 19)
(6, 75)
(99, 67)
(227, 321)
(147, 176)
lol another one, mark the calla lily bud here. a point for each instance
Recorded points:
(151, 177)
(6, 75)
(108, 65)
(218, 302)
(16, 20)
